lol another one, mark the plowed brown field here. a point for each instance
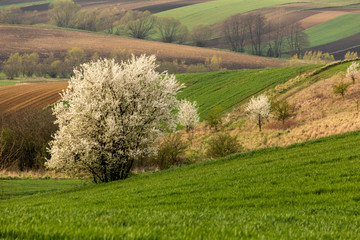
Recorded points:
(44, 40)
(34, 95)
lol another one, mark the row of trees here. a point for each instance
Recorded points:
(137, 24)
(14, 15)
(30, 64)
(254, 30)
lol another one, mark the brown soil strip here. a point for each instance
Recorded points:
(34, 95)
(321, 18)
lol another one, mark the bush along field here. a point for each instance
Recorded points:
(304, 191)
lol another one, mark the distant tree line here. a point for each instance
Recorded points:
(269, 38)
(30, 64)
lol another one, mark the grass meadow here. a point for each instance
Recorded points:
(230, 88)
(14, 187)
(305, 191)
(333, 30)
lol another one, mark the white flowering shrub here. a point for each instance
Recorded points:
(188, 115)
(352, 70)
(259, 109)
(110, 115)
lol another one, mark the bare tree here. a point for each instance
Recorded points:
(170, 29)
(276, 34)
(256, 28)
(200, 34)
(141, 27)
(297, 40)
(63, 13)
(235, 32)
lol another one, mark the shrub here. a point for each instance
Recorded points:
(188, 115)
(214, 64)
(341, 88)
(171, 149)
(351, 55)
(214, 117)
(221, 145)
(282, 110)
(196, 68)
(13, 66)
(259, 109)
(110, 115)
(24, 138)
(351, 71)
(170, 67)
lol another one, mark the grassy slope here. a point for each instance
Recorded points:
(309, 190)
(227, 89)
(10, 187)
(333, 30)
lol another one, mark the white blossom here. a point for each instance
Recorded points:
(259, 109)
(188, 115)
(110, 115)
(352, 71)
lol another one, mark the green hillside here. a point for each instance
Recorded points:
(228, 88)
(333, 30)
(304, 191)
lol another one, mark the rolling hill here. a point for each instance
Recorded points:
(304, 191)
(45, 40)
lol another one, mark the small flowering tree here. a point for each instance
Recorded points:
(110, 115)
(259, 109)
(188, 116)
(352, 70)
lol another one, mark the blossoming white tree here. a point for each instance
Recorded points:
(110, 115)
(188, 116)
(259, 109)
(352, 70)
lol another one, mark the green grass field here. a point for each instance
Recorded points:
(304, 191)
(18, 187)
(227, 89)
(333, 30)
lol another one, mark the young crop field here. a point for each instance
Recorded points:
(304, 191)
(18, 187)
(333, 30)
(229, 88)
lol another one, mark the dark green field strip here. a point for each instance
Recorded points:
(229, 88)
(305, 191)
(17, 187)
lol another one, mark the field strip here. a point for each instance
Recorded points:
(216, 11)
(35, 95)
(320, 18)
(335, 29)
